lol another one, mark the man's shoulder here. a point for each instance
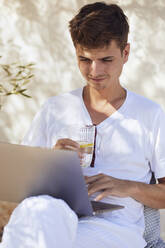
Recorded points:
(143, 103)
(143, 109)
(64, 97)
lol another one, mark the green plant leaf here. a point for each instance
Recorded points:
(17, 77)
(25, 95)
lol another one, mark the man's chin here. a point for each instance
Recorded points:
(97, 86)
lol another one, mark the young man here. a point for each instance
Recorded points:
(129, 145)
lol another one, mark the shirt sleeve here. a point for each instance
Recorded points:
(37, 133)
(158, 158)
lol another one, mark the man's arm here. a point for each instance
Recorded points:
(151, 195)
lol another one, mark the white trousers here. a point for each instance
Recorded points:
(40, 222)
(46, 222)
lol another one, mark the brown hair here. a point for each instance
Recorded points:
(97, 24)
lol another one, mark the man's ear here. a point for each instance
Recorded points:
(126, 52)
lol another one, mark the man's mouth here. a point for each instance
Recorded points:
(97, 79)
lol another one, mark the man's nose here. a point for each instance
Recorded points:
(96, 69)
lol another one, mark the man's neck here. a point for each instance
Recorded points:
(99, 98)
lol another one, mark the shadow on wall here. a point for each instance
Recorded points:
(53, 44)
(144, 71)
(3, 133)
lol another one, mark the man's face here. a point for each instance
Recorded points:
(102, 67)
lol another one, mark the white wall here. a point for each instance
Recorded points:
(36, 31)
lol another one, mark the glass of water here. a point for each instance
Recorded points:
(86, 142)
(84, 135)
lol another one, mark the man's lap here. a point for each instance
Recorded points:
(90, 231)
(96, 232)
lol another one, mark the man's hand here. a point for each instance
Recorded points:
(68, 144)
(151, 195)
(108, 185)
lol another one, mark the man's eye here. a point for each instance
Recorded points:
(107, 60)
(84, 59)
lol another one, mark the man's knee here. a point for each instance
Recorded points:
(42, 203)
(36, 202)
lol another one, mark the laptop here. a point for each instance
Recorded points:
(30, 171)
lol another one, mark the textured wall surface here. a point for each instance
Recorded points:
(36, 31)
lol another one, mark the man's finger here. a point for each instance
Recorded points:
(97, 187)
(94, 178)
(67, 144)
(102, 195)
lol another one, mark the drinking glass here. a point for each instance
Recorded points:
(84, 135)
(86, 142)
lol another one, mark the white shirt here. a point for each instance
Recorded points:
(130, 144)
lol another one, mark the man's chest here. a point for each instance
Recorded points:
(100, 114)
